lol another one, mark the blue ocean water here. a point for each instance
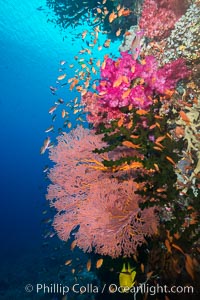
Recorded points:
(30, 52)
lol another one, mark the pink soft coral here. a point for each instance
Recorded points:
(103, 209)
(127, 81)
(159, 16)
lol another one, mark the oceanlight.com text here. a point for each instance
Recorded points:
(57, 288)
(152, 289)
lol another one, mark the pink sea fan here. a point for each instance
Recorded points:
(101, 208)
(109, 219)
(116, 226)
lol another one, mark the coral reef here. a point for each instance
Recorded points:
(133, 177)
(184, 38)
(127, 81)
(158, 17)
(183, 41)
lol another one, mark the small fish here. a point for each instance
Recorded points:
(120, 122)
(69, 125)
(45, 146)
(184, 117)
(156, 167)
(62, 62)
(73, 245)
(112, 17)
(126, 93)
(94, 70)
(68, 262)
(141, 112)
(51, 145)
(61, 77)
(63, 113)
(98, 63)
(142, 268)
(107, 43)
(60, 100)
(80, 119)
(89, 264)
(52, 109)
(161, 190)
(49, 129)
(99, 263)
(53, 118)
(177, 248)
(47, 221)
(157, 148)
(76, 111)
(126, 277)
(118, 32)
(158, 117)
(120, 11)
(160, 139)
(84, 33)
(53, 89)
(45, 169)
(170, 160)
(118, 81)
(100, 48)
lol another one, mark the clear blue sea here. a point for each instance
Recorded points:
(30, 51)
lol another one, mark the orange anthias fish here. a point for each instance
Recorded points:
(61, 77)
(130, 145)
(99, 263)
(112, 17)
(89, 264)
(107, 43)
(184, 117)
(118, 32)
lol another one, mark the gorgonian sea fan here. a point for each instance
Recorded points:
(103, 209)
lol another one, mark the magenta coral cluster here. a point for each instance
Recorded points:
(159, 16)
(103, 210)
(127, 81)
